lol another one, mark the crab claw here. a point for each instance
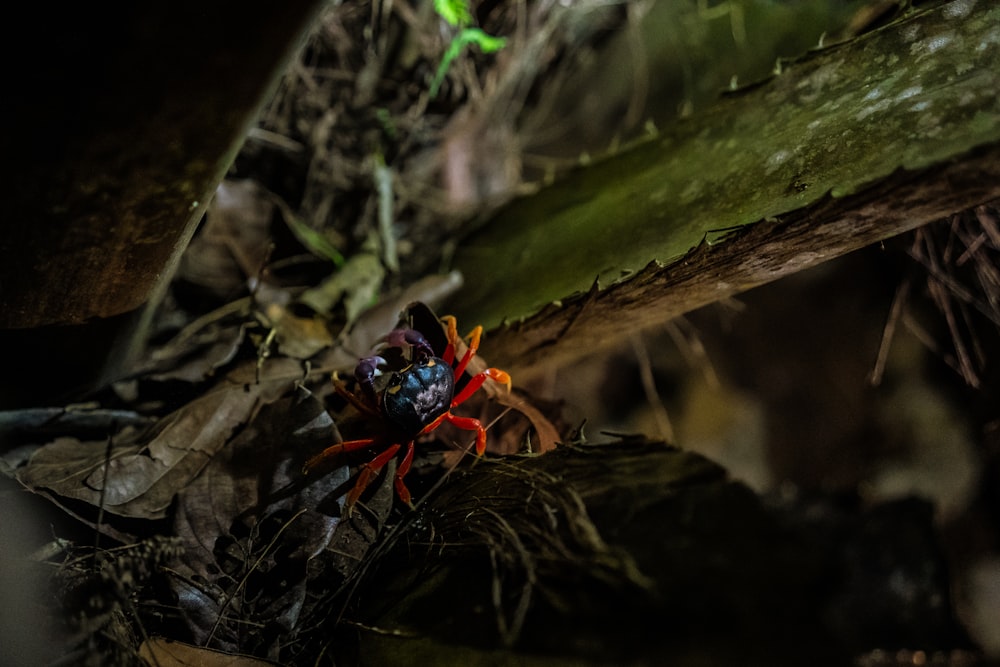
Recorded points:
(409, 338)
(365, 373)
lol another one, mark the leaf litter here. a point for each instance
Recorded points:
(261, 550)
(141, 471)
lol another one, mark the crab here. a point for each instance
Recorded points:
(410, 402)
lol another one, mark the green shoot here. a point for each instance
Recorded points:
(456, 13)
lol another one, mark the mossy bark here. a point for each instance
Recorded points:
(887, 113)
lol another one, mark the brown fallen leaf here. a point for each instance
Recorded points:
(250, 524)
(235, 240)
(297, 337)
(146, 469)
(204, 347)
(163, 652)
(548, 434)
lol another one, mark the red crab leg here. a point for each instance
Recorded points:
(467, 423)
(368, 470)
(476, 382)
(333, 450)
(404, 467)
(473, 337)
(470, 424)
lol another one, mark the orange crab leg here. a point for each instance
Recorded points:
(451, 325)
(369, 469)
(466, 423)
(451, 331)
(449, 356)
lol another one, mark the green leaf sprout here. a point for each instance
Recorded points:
(456, 13)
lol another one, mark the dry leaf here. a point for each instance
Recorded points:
(298, 337)
(141, 476)
(202, 348)
(548, 434)
(250, 523)
(162, 652)
(357, 284)
(234, 242)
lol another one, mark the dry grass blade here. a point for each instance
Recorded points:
(960, 259)
(665, 428)
(895, 312)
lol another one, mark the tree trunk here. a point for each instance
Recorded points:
(848, 145)
(120, 125)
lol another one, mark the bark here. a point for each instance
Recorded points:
(123, 123)
(822, 158)
(754, 255)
